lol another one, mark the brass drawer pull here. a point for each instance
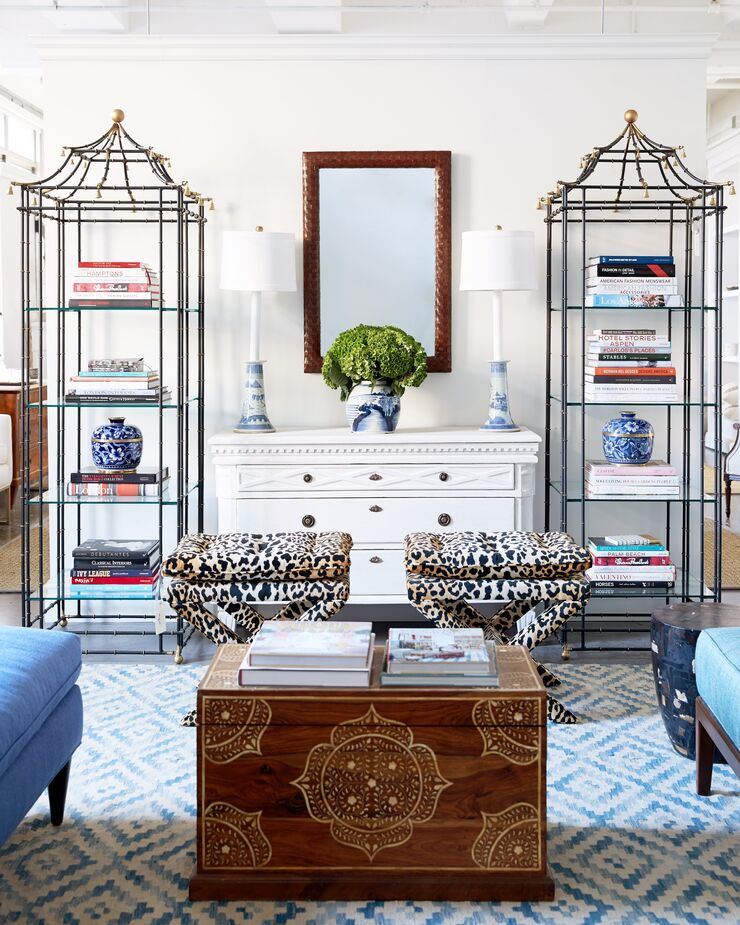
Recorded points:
(444, 520)
(376, 509)
(308, 520)
(443, 476)
(375, 477)
(308, 477)
(375, 559)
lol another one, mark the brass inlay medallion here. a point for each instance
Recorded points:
(371, 783)
(509, 728)
(233, 838)
(233, 726)
(510, 840)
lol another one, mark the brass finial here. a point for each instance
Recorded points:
(712, 201)
(118, 115)
(98, 194)
(630, 116)
(259, 228)
(10, 190)
(212, 206)
(499, 228)
(732, 189)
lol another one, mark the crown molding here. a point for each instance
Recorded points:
(371, 47)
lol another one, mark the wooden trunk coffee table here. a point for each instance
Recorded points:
(372, 793)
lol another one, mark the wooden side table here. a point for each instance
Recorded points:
(373, 793)
(673, 634)
(10, 403)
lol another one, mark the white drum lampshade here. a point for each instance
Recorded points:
(497, 260)
(258, 261)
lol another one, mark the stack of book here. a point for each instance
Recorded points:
(604, 480)
(629, 365)
(439, 658)
(285, 653)
(96, 483)
(632, 561)
(631, 282)
(116, 381)
(115, 284)
(111, 567)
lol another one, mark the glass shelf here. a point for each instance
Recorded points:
(636, 308)
(108, 308)
(70, 592)
(629, 401)
(169, 404)
(690, 493)
(55, 497)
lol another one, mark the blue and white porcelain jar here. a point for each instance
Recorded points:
(628, 440)
(117, 446)
(373, 408)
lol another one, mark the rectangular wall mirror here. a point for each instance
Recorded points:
(376, 248)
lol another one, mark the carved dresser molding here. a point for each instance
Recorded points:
(376, 487)
(373, 793)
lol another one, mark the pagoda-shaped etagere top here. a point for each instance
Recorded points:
(113, 170)
(639, 166)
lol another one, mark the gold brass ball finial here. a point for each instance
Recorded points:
(259, 228)
(118, 115)
(630, 116)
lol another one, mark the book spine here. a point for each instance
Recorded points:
(633, 561)
(115, 555)
(144, 295)
(616, 585)
(646, 333)
(630, 259)
(122, 287)
(112, 264)
(109, 303)
(647, 481)
(115, 374)
(601, 471)
(83, 564)
(118, 580)
(655, 286)
(633, 574)
(141, 393)
(645, 372)
(601, 549)
(634, 356)
(632, 271)
(112, 490)
(112, 399)
(115, 573)
(630, 380)
(131, 478)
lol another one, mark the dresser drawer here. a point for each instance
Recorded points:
(383, 479)
(376, 520)
(377, 571)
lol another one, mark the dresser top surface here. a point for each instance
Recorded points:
(290, 436)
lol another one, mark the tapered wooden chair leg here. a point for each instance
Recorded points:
(58, 794)
(704, 758)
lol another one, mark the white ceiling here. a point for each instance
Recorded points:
(20, 20)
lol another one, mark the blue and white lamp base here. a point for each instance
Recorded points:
(254, 419)
(499, 417)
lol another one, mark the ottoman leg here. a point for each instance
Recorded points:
(548, 678)
(245, 616)
(506, 617)
(189, 719)
(316, 611)
(557, 713)
(548, 622)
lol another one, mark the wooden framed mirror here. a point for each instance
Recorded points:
(377, 248)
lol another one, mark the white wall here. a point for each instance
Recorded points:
(236, 123)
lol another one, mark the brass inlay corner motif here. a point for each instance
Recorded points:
(510, 840)
(371, 783)
(509, 728)
(233, 838)
(233, 726)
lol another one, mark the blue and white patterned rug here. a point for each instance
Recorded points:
(630, 842)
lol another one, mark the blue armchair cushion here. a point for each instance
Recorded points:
(37, 670)
(717, 667)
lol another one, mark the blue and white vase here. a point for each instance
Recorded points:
(628, 440)
(254, 419)
(117, 446)
(372, 408)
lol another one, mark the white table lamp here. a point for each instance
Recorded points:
(498, 261)
(256, 262)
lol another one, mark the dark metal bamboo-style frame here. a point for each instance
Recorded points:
(637, 182)
(111, 181)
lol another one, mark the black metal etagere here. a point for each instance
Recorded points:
(112, 194)
(634, 194)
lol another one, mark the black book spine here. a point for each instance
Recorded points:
(632, 380)
(85, 565)
(639, 270)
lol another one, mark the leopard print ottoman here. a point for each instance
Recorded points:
(444, 572)
(307, 572)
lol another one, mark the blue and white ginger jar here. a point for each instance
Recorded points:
(628, 440)
(117, 446)
(372, 408)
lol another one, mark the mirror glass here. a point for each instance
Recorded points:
(377, 264)
(376, 248)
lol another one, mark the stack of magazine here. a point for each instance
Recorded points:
(285, 653)
(439, 658)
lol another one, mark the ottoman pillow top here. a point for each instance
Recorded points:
(203, 557)
(507, 554)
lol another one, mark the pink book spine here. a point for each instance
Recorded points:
(626, 470)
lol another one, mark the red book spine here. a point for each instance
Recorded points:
(115, 287)
(632, 560)
(118, 264)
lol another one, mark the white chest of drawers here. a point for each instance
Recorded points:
(378, 488)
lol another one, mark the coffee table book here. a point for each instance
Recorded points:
(287, 643)
(437, 651)
(372, 794)
(251, 675)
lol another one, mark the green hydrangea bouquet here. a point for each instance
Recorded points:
(373, 354)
